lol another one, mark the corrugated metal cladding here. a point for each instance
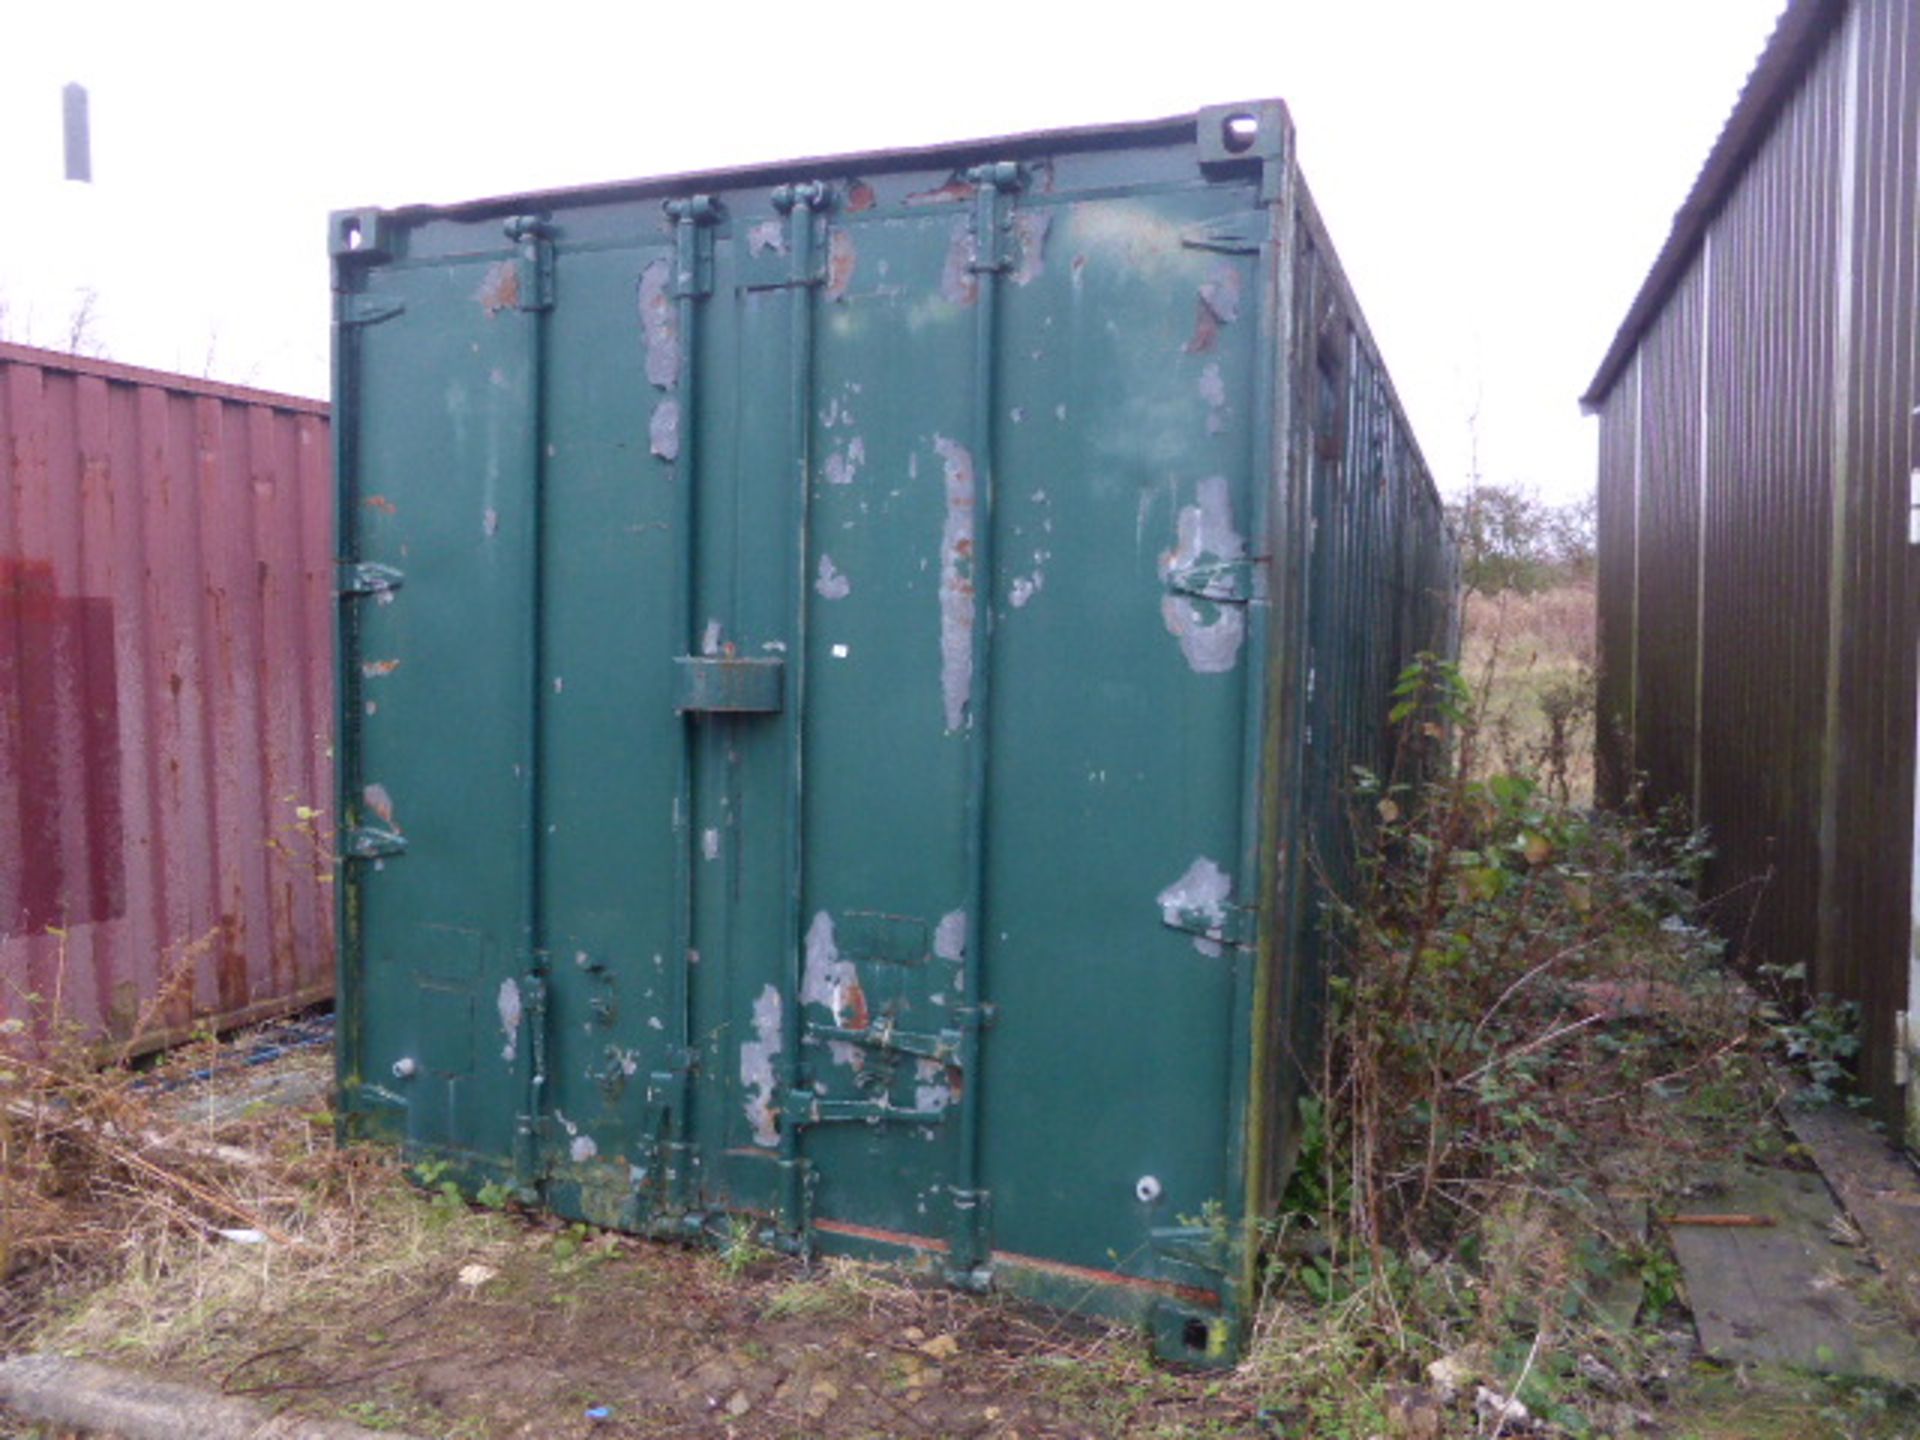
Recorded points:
(850, 678)
(1756, 608)
(165, 695)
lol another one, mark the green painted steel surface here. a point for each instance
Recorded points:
(865, 652)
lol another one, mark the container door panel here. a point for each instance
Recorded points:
(889, 720)
(1126, 571)
(435, 820)
(610, 738)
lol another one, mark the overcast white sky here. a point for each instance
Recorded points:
(1497, 174)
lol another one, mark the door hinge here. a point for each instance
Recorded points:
(992, 218)
(359, 309)
(372, 842)
(694, 218)
(534, 235)
(1225, 582)
(367, 577)
(1229, 235)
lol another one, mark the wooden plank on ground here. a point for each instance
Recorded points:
(1784, 1293)
(1875, 1181)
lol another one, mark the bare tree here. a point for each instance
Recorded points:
(81, 339)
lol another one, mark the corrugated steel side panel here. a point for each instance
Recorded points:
(165, 692)
(1667, 521)
(1802, 304)
(1614, 587)
(1873, 801)
(1770, 322)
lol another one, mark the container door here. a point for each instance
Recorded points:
(515, 967)
(437, 449)
(612, 861)
(834, 870)
(892, 724)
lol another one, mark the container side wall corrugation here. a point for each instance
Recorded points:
(1873, 801)
(165, 679)
(1771, 327)
(1668, 521)
(1614, 591)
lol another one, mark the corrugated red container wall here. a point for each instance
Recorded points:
(166, 580)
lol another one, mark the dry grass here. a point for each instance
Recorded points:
(1531, 659)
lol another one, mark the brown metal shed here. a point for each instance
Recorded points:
(1757, 619)
(166, 581)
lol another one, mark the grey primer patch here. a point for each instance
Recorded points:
(1030, 228)
(829, 981)
(1023, 588)
(832, 585)
(843, 465)
(958, 284)
(1221, 294)
(710, 640)
(710, 843)
(1210, 632)
(660, 326)
(765, 236)
(583, 1149)
(510, 1018)
(932, 1094)
(950, 936)
(1203, 891)
(379, 802)
(956, 584)
(1213, 390)
(756, 1068)
(663, 431)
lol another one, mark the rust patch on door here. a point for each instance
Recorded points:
(500, 288)
(841, 258)
(1218, 306)
(831, 981)
(954, 189)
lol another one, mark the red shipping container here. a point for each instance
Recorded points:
(166, 694)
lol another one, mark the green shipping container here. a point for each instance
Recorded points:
(849, 674)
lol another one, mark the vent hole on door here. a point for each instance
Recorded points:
(1238, 132)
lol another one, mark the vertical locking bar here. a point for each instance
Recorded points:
(534, 235)
(801, 204)
(347, 338)
(692, 219)
(992, 218)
